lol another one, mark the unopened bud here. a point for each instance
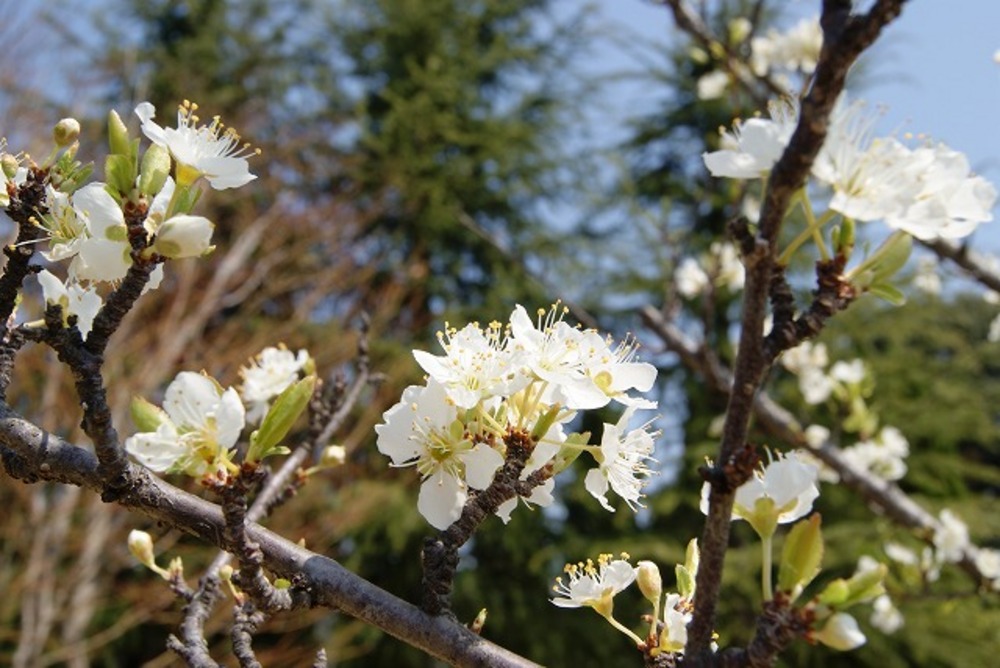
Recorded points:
(184, 236)
(66, 132)
(333, 455)
(649, 580)
(840, 632)
(9, 164)
(140, 545)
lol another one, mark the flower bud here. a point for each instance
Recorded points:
(840, 632)
(9, 164)
(650, 582)
(66, 132)
(333, 455)
(184, 236)
(140, 545)
(117, 135)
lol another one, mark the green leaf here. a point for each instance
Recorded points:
(889, 293)
(118, 170)
(279, 420)
(801, 556)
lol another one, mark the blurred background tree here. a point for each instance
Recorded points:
(419, 160)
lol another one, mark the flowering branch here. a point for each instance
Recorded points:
(439, 556)
(845, 37)
(780, 423)
(31, 454)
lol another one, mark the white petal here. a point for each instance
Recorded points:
(230, 418)
(441, 500)
(158, 450)
(597, 484)
(52, 288)
(190, 398)
(101, 260)
(481, 463)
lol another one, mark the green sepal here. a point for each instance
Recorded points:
(801, 556)
(279, 420)
(569, 452)
(147, 416)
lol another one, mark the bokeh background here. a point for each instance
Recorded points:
(426, 161)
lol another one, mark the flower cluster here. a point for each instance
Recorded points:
(197, 429)
(927, 191)
(590, 585)
(518, 377)
(269, 374)
(86, 225)
(777, 54)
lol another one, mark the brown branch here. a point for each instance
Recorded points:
(844, 38)
(970, 262)
(27, 202)
(31, 454)
(439, 557)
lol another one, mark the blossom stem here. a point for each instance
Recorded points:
(765, 572)
(618, 625)
(813, 227)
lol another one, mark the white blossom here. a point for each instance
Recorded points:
(269, 374)
(951, 537)
(423, 430)
(797, 49)
(593, 585)
(200, 424)
(76, 300)
(754, 146)
(621, 463)
(886, 617)
(212, 150)
(782, 492)
(477, 364)
(690, 279)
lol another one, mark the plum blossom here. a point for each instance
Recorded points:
(76, 300)
(211, 151)
(951, 537)
(690, 279)
(782, 492)
(423, 430)
(593, 586)
(886, 617)
(268, 375)
(621, 463)
(198, 426)
(796, 49)
(477, 364)
(754, 146)
(883, 456)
